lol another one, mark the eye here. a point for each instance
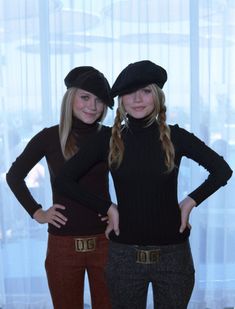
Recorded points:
(146, 90)
(99, 101)
(85, 97)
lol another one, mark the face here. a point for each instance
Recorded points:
(87, 107)
(140, 103)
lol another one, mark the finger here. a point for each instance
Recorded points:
(107, 231)
(59, 215)
(182, 228)
(55, 206)
(117, 232)
(57, 219)
(116, 229)
(104, 218)
(189, 225)
(55, 224)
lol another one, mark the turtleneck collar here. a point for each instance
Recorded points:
(140, 124)
(80, 127)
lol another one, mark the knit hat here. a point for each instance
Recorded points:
(138, 75)
(91, 80)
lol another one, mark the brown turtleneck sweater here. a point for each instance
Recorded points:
(81, 220)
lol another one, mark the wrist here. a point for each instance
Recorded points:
(37, 212)
(112, 206)
(192, 201)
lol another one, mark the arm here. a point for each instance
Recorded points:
(193, 148)
(186, 206)
(67, 182)
(32, 154)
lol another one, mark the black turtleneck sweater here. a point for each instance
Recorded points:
(81, 220)
(146, 194)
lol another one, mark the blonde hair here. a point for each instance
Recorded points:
(67, 138)
(116, 151)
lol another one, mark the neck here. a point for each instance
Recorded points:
(138, 124)
(82, 127)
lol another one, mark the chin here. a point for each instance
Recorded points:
(138, 115)
(89, 120)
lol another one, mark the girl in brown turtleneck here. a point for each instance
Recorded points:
(76, 241)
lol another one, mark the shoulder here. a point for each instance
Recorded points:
(45, 137)
(106, 129)
(175, 131)
(181, 138)
(179, 132)
(54, 130)
(104, 132)
(187, 142)
(47, 132)
(175, 128)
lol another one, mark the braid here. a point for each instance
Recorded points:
(116, 145)
(165, 137)
(159, 112)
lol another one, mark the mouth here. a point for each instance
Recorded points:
(139, 108)
(90, 114)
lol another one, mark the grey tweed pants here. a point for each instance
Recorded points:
(172, 276)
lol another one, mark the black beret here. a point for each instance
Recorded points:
(137, 75)
(91, 80)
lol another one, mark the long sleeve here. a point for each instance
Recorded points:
(67, 182)
(32, 154)
(193, 148)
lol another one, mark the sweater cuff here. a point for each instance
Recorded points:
(32, 212)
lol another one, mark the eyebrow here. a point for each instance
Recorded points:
(84, 92)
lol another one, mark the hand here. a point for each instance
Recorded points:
(186, 207)
(51, 215)
(113, 221)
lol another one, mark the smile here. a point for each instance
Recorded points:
(138, 109)
(90, 114)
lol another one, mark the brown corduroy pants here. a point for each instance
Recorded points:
(66, 268)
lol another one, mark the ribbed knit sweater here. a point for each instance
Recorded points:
(146, 195)
(81, 220)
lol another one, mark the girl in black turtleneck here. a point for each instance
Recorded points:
(76, 240)
(149, 229)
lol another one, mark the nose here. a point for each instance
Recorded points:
(137, 96)
(92, 104)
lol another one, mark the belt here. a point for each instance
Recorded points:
(85, 244)
(147, 256)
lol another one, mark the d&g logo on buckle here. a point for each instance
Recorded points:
(85, 244)
(147, 256)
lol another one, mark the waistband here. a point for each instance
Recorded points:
(162, 248)
(78, 243)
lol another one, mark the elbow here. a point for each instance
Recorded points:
(230, 173)
(9, 179)
(226, 175)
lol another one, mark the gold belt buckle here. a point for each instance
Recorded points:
(147, 256)
(85, 244)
